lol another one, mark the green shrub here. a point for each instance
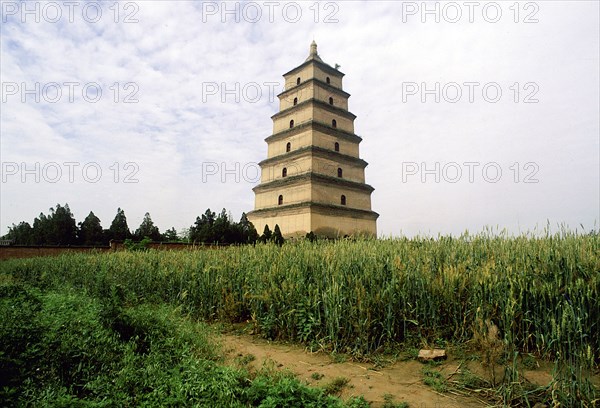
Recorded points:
(66, 349)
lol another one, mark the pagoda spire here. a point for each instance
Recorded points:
(314, 55)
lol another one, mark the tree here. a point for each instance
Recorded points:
(143, 245)
(63, 227)
(208, 217)
(59, 228)
(170, 235)
(90, 231)
(266, 235)
(248, 234)
(223, 230)
(277, 237)
(184, 235)
(21, 234)
(211, 228)
(147, 229)
(118, 228)
(41, 230)
(203, 228)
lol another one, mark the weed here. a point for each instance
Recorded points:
(388, 402)
(60, 349)
(338, 358)
(335, 386)
(469, 380)
(244, 360)
(434, 379)
(529, 362)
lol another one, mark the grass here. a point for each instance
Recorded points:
(338, 357)
(508, 296)
(434, 379)
(244, 360)
(388, 402)
(335, 386)
(65, 348)
(529, 362)
(471, 381)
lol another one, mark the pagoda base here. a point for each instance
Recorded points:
(329, 221)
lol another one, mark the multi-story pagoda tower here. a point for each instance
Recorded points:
(313, 178)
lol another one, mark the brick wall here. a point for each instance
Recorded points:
(28, 251)
(18, 251)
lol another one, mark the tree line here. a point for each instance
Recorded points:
(59, 227)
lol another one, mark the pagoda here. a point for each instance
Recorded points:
(313, 179)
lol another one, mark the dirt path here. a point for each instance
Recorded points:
(403, 380)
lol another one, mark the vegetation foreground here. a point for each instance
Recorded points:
(119, 329)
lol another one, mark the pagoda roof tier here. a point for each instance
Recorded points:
(313, 178)
(321, 208)
(325, 67)
(304, 84)
(314, 125)
(319, 103)
(317, 151)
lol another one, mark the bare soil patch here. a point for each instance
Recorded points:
(403, 379)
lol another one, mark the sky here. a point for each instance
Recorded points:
(474, 115)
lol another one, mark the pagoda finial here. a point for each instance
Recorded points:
(313, 52)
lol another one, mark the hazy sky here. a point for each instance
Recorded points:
(472, 114)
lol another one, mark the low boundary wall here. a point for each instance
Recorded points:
(30, 251)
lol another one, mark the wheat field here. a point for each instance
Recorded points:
(540, 295)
